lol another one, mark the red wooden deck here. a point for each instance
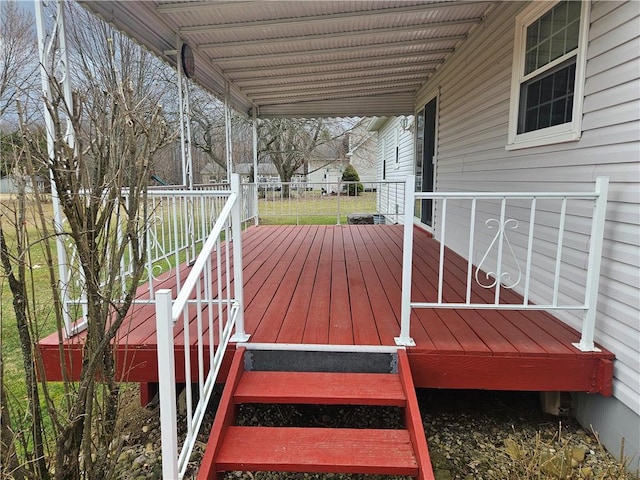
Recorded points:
(341, 285)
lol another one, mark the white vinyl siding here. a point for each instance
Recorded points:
(473, 132)
(391, 134)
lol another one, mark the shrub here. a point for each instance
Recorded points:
(350, 175)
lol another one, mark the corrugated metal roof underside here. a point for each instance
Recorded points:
(306, 58)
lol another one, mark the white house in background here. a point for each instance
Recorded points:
(362, 154)
(500, 117)
(394, 158)
(9, 185)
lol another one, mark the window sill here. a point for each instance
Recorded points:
(542, 141)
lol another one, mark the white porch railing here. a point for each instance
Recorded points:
(178, 224)
(216, 303)
(328, 202)
(545, 246)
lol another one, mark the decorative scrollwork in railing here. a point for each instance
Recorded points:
(154, 266)
(500, 237)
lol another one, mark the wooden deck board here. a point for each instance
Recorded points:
(342, 285)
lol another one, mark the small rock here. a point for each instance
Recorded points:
(442, 474)
(586, 472)
(578, 454)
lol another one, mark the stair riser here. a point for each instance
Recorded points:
(305, 361)
(303, 468)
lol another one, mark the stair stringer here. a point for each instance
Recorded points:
(225, 417)
(413, 419)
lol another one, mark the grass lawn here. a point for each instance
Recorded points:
(312, 208)
(40, 306)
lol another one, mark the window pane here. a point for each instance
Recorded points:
(531, 119)
(544, 116)
(547, 101)
(557, 45)
(560, 17)
(558, 111)
(546, 24)
(532, 36)
(571, 77)
(533, 95)
(552, 35)
(544, 53)
(573, 11)
(560, 83)
(573, 30)
(546, 89)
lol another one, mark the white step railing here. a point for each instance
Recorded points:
(329, 202)
(520, 241)
(214, 301)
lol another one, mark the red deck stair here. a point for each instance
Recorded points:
(325, 450)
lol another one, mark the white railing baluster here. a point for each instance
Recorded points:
(561, 226)
(472, 223)
(501, 227)
(219, 279)
(176, 243)
(200, 331)
(187, 368)
(210, 311)
(443, 233)
(527, 278)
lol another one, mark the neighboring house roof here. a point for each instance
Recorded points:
(376, 123)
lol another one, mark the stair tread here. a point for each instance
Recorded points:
(320, 388)
(325, 450)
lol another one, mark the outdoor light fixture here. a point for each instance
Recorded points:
(188, 62)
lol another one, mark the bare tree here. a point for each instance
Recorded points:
(101, 181)
(291, 143)
(209, 132)
(17, 49)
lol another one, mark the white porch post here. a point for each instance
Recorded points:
(47, 52)
(255, 166)
(407, 264)
(185, 148)
(227, 133)
(238, 281)
(593, 270)
(185, 121)
(167, 384)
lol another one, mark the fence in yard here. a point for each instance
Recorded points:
(545, 246)
(212, 300)
(329, 202)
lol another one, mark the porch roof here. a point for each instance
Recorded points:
(325, 58)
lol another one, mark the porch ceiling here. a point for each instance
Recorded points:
(305, 58)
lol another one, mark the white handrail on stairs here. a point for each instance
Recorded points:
(215, 304)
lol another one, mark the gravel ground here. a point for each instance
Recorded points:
(472, 435)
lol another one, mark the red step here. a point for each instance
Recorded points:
(320, 388)
(323, 450)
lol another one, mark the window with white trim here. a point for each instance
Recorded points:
(548, 76)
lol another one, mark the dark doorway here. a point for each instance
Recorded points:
(425, 150)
